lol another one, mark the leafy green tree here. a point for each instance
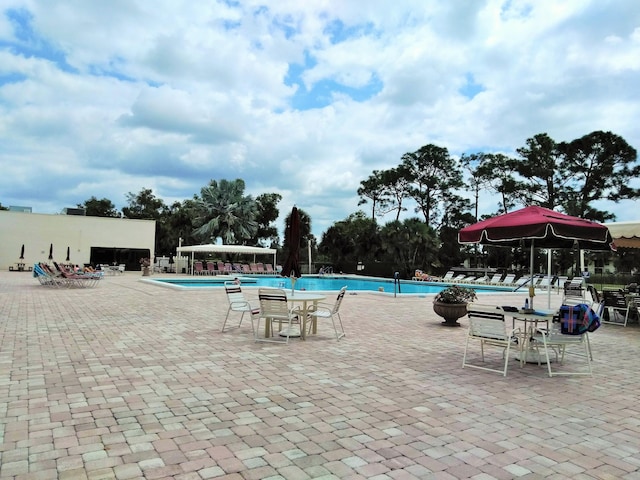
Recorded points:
(144, 206)
(222, 210)
(356, 238)
(176, 224)
(434, 176)
(599, 166)
(99, 208)
(411, 244)
(493, 173)
(397, 188)
(545, 177)
(267, 214)
(374, 189)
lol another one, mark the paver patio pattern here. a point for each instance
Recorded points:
(129, 380)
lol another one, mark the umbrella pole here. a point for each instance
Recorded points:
(549, 278)
(531, 287)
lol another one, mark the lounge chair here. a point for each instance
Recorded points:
(198, 269)
(211, 268)
(496, 279)
(71, 279)
(448, 276)
(261, 269)
(269, 269)
(508, 279)
(545, 283)
(253, 268)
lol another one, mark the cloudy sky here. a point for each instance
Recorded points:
(303, 98)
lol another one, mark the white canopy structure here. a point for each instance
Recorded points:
(215, 248)
(625, 234)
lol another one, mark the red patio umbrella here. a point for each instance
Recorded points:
(540, 227)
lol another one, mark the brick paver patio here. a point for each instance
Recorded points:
(129, 380)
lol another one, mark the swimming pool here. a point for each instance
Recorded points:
(323, 283)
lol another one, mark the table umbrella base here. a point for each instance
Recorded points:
(535, 356)
(293, 332)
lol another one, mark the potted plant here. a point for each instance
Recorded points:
(145, 263)
(451, 303)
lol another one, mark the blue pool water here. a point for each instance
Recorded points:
(321, 283)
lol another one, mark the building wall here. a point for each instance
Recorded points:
(38, 231)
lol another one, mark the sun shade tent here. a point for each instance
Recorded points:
(214, 248)
(538, 227)
(625, 234)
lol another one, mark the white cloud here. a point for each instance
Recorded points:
(101, 99)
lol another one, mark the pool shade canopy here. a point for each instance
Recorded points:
(625, 234)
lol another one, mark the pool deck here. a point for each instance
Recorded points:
(129, 380)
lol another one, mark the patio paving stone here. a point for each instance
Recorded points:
(130, 380)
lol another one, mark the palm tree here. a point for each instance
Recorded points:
(224, 211)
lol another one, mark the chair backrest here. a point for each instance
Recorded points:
(198, 266)
(509, 278)
(269, 268)
(496, 278)
(448, 275)
(486, 321)
(574, 319)
(211, 267)
(234, 293)
(336, 306)
(614, 298)
(273, 302)
(594, 293)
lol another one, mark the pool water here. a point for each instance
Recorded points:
(322, 283)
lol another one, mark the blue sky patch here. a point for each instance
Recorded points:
(470, 89)
(339, 32)
(30, 43)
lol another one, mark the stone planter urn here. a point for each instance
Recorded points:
(451, 312)
(146, 271)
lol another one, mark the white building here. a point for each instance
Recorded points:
(87, 240)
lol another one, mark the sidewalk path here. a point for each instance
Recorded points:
(129, 380)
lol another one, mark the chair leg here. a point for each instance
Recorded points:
(342, 332)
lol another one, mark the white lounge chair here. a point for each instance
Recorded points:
(508, 279)
(448, 276)
(496, 279)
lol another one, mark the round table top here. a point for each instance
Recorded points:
(304, 295)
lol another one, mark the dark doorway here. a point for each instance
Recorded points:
(116, 256)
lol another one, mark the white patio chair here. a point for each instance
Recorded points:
(615, 303)
(496, 279)
(487, 326)
(562, 339)
(275, 308)
(324, 311)
(237, 303)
